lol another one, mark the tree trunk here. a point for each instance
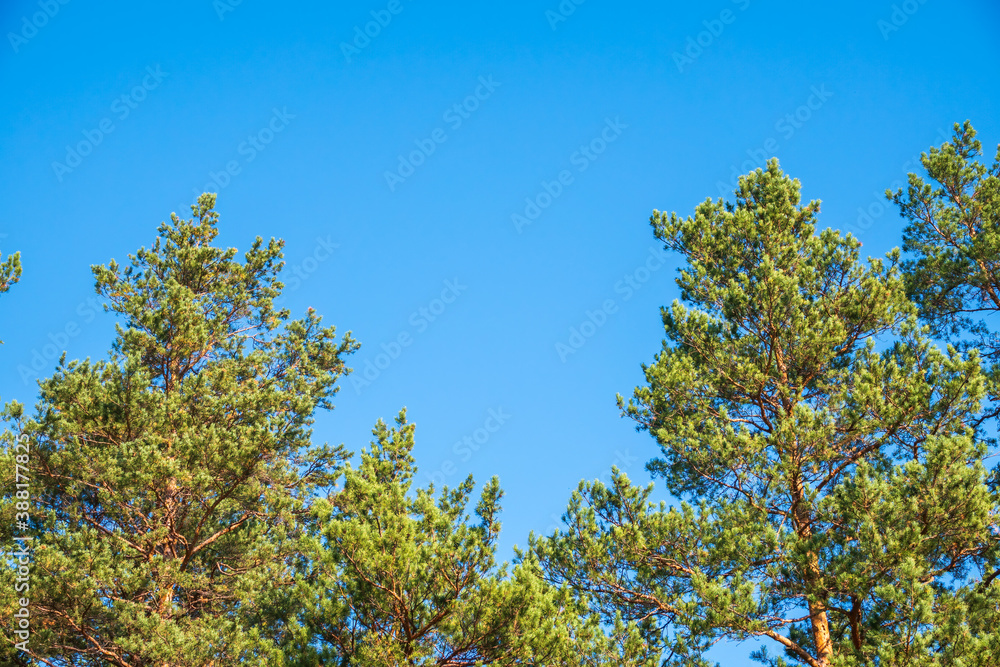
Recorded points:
(818, 617)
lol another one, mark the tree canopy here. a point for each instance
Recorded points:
(952, 241)
(184, 516)
(397, 576)
(834, 490)
(169, 482)
(10, 271)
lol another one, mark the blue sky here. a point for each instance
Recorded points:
(475, 180)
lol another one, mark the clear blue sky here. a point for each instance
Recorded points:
(615, 107)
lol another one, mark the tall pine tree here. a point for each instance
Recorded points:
(831, 485)
(172, 482)
(399, 576)
(952, 241)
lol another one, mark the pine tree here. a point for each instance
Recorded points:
(398, 576)
(171, 483)
(952, 241)
(10, 271)
(831, 492)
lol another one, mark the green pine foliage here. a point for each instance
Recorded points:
(835, 497)
(171, 483)
(952, 241)
(184, 517)
(401, 576)
(10, 271)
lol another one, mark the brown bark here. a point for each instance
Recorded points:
(818, 616)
